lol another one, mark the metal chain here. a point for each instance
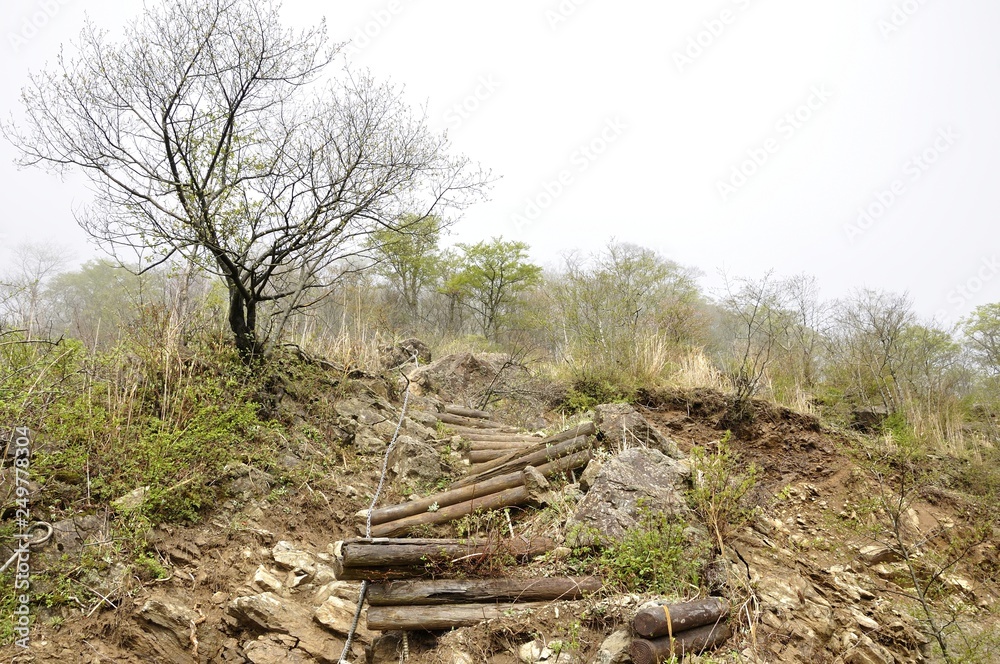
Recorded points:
(368, 521)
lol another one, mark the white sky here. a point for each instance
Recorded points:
(886, 101)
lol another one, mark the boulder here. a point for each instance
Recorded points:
(614, 649)
(403, 352)
(170, 627)
(270, 613)
(337, 615)
(611, 507)
(459, 377)
(414, 461)
(621, 426)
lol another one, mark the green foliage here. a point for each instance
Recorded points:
(982, 330)
(492, 277)
(408, 256)
(721, 489)
(149, 568)
(585, 394)
(655, 557)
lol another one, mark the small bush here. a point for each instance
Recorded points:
(655, 557)
(721, 489)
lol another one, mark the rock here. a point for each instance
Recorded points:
(533, 651)
(348, 590)
(265, 580)
(271, 613)
(864, 621)
(414, 461)
(866, 651)
(590, 474)
(131, 501)
(69, 537)
(172, 616)
(286, 555)
(337, 615)
(622, 427)
(404, 352)
(876, 554)
(459, 377)
(614, 649)
(169, 628)
(610, 508)
(270, 649)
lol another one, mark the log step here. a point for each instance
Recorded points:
(462, 411)
(417, 618)
(462, 591)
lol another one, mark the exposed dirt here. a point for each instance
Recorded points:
(815, 599)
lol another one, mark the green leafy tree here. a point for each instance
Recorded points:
(408, 257)
(212, 132)
(982, 334)
(491, 279)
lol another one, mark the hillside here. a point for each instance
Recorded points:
(811, 561)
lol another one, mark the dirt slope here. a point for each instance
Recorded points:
(819, 594)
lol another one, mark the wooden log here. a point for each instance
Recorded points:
(416, 552)
(519, 495)
(466, 412)
(517, 460)
(471, 422)
(697, 640)
(447, 616)
(657, 621)
(583, 429)
(450, 497)
(500, 438)
(479, 456)
(463, 494)
(401, 564)
(450, 591)
(472, 431)
(500, 445)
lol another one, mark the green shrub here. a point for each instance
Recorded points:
(721, 489)
(656, 556)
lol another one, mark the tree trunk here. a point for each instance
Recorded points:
(242, 320)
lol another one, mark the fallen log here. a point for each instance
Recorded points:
(452, 409)
(656, 621)
(416, 618)
(533, 456)
(450, 591)
(697, 640)
(467, 493)
(472, 422)
(479, 456)
(519, 495)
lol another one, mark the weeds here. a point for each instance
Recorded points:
(656, 556)
(721, 487)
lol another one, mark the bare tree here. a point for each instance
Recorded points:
(212, 132)
(871, 327)
(756, 324)
(22, 286)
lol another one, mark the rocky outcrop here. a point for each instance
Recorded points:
(621, 426)
(637, 476)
